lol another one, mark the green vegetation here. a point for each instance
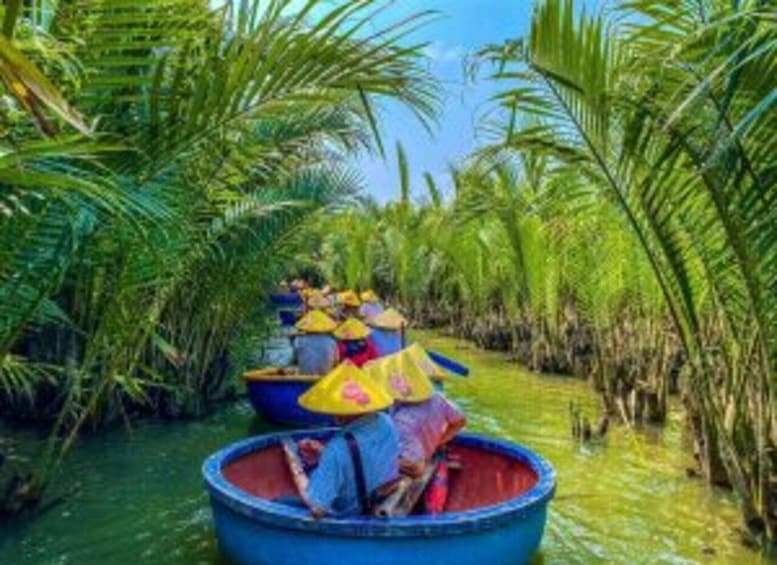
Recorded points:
(165, 163)
(157, 161)
(619, 223)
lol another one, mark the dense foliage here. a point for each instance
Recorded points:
(619, 221)
(158, 159)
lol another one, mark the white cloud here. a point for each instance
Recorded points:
(443, 53)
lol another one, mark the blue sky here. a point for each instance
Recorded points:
(463, 27)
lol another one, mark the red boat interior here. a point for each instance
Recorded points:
(483, 479)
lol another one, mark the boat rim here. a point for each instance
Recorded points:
(282, 516)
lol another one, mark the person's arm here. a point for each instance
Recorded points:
(325, 483)
(300, 479)
(310, 451)
(453, 428)
(455, 418)
(413, 469)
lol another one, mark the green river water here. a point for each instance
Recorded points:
(627, 501)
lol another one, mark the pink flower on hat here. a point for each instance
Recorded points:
(399, 383)
(353, 392)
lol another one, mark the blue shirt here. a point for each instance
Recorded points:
(386, 341)
(316, 353)
(370, 310)
(332, 485)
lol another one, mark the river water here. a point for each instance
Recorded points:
(139, 496)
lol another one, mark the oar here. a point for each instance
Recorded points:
(407, 493)
(449, 364)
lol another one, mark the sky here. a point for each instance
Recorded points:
(463, 27)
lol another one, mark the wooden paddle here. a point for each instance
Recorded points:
(408, 493)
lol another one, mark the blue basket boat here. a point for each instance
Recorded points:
(286, 299)
(495, 514)
(274, 392)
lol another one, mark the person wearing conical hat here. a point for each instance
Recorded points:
(317, 301)
(432, 369)
(315, 348)
(354, 342)
(425, 419)
(349, 304)
(363, 453)
(388, 331)
(371, 305)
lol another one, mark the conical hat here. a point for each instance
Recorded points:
(346, 391)
(352, 329)
(349, 298)
(316, 322)
(422, 359)
(369, 296)
(317, 300)
(401, 376)
(388, 320)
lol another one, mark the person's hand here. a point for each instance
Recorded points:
(310, 450)
(413, 469)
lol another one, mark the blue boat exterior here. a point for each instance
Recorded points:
(276, 401)
(255, 531)
(286, 299)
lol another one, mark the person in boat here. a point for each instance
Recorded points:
(426, 420)
(317, 301)
(315, 348)
(350, 472)
(388, 332)
(349, 304)
(371, 305)
(427, 365)
(354, 343)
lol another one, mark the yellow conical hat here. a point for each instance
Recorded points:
(401, 376)
(316, 322)
(389, 320)
(369, 296)
(349, 298)
(352, 329)
(346, 391)
(316, 300)
(422, 359)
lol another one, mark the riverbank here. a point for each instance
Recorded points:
(628, 500)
